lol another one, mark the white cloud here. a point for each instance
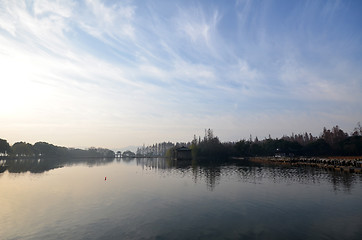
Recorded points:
(194, 73)
(62, 8)
(104, 21)
(199, 27)
(305, 82)
(117, 68)
(243, 8)
(8, 16)
(245, 73)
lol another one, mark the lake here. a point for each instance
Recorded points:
(163, 199)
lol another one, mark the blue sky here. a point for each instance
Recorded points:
(119, 73)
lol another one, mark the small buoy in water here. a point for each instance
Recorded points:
(105, 178)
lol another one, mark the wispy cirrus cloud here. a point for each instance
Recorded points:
(306, 82)
(125, 66)
(107, 21)
(198, 26)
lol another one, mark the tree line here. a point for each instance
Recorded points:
(155, 150)
(47, 150)
(331, 142)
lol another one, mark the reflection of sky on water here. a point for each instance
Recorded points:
(157, 198)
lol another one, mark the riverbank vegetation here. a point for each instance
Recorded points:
(331, 142)
(47, 150)
(334, 142)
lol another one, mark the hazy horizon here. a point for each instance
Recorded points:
(115, 74)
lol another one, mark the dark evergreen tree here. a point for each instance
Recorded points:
(4, 146)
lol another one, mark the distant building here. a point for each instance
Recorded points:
(118, 154)
(279, 153)
(3, 154)
(182, 153)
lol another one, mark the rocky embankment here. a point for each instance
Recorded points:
(343, 164)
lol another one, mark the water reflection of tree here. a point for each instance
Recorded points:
(207, 173)
(256, 173)
(42, 165)
(345, 180)
(153, 163)
(250, 172)
(212, 176)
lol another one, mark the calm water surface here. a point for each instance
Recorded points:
(161, 199)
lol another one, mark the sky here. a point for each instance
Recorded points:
(121, 73)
